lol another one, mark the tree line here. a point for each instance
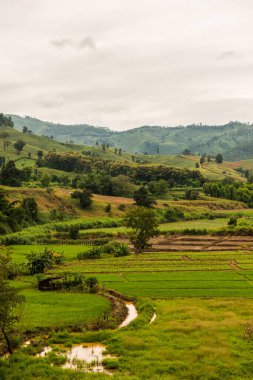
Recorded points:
(236, 191)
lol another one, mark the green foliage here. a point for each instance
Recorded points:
(9, 299)
(144, 198)
(232, 221)
(143, 224)
(30, 207)
(173, 214)
(6, 121)
(84, 197)
(116, 248)
(158, 188)
(19, 146)
(40, 262)
(219, 158)
(92, 284)
(11, 176)
(73, 232)
(191, 194)
(108, 208)
(92, 254)
(45, 180)
(235, 191)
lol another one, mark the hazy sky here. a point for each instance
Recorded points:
(127, 63)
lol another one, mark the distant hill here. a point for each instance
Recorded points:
(234, 140)
(34, 143)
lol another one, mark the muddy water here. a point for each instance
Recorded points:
(89, 356)
(132, 314)
(86, 357)
(153, 318)
(44, 352)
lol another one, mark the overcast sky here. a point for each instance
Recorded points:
(126, 63)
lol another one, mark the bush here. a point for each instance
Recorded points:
(122, 207)
(39, 262)
(173, 214)
(232, 221)
(116, 248)
(92, 254)
(73, 232)
(108, 208)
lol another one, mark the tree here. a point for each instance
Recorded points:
(10, 175)
(202, 160)
(84, 197)
(74, 232)
(40, 154)
(9, 301)
(30, 206)
(4, 136)
(45, 180)
(144, 198)
(143, 224)
(25, 129)
(19, 146)
(92, 283)
(6, 121)
(219, 158)
(108, 208)
(191, 194)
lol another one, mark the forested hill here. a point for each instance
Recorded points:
(234, 140)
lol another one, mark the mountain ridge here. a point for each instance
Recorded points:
(233, 140)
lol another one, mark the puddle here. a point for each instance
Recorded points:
(132, 314)
(86, 357)
(153, 318)
(44, 352)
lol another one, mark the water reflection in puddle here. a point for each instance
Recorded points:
(86, 357)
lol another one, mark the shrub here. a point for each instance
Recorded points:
(108, 208)
(118, 249)
(122, 207)
(173, 214)
(92, 254)
(92, 283)
(232, 221)
(73, 232)
(39, 262)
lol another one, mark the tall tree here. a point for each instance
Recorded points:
(219, 158)
(143, 224)
(19, 146)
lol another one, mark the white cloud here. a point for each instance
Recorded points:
(126, 63)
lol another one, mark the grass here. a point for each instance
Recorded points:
(56, 309)
(69, 251)
(51, 309)
(194, 338)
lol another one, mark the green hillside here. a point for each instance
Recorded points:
(34, 143)
(234, 140)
